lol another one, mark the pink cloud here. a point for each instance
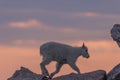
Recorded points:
(26, 42)
(26, 24)
(30, 42)
(95, 14)
(89, 14)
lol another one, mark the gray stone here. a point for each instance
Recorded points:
(115, 33)
(114, 74)
(26, 74)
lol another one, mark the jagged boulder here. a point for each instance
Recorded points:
(114, 74)
(115, 33)
(26, 74)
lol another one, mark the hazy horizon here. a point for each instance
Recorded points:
(25, 25)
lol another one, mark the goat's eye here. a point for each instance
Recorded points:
(86, 50)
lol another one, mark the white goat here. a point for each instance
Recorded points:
(62, 54)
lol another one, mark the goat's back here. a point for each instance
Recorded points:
(56, 50)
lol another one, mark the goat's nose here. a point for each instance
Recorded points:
(88, 56)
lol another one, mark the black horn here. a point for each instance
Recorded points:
(83, 45)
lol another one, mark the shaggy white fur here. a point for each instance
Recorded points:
(62, 54)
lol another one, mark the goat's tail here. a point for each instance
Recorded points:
(42, 52)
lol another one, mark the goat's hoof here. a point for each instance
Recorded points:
(79, 73)
(50, 77)
(45, 78)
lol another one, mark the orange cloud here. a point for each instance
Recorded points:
(26, 24)
(21, 42)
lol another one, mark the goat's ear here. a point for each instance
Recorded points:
(83, 45)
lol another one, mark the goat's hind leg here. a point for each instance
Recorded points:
(73, 66)
(43, 68)
(58, 67)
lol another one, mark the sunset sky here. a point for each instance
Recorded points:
(25, 25)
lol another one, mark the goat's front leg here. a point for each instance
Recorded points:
(43, 68)
(58, 67)
(73, 66)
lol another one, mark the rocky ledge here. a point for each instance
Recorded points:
(26, 74)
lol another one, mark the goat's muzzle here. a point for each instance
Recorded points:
(87, 56)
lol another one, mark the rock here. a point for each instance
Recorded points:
(115, 33)
(26, 74)
(114, 74)
(95, 75)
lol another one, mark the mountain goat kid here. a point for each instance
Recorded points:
(62, 54)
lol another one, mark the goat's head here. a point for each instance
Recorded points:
(84, 51)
